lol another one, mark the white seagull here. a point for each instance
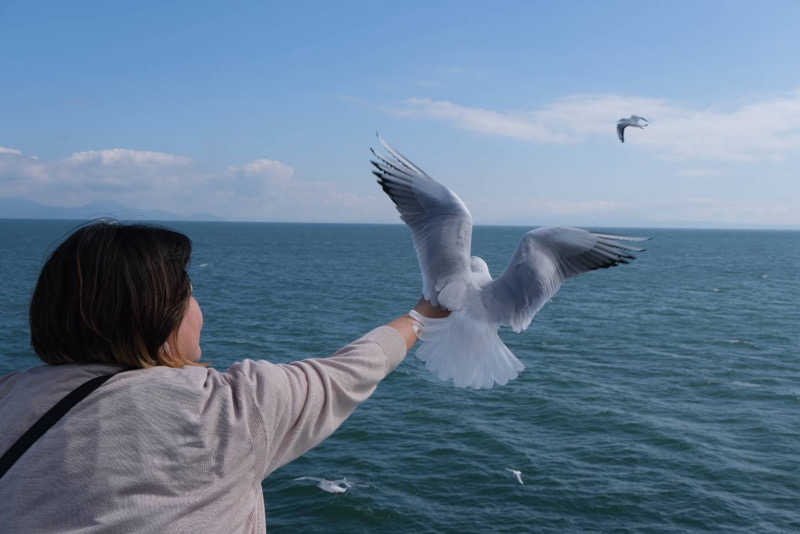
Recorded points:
(331, 486)
(465, 346)
(633, 120)
(517, 474)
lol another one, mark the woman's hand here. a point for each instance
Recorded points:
(405, 324)
(427, 309)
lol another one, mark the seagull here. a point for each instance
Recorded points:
(331, 486)
(465, 346)
(633, 120)
(517, 474)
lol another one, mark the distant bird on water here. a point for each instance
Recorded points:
(517, 473)
(330, 486)
(465, 346)
(633, 120)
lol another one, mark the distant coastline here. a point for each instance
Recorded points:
(15, 208)
(21, 208)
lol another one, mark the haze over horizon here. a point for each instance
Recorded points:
(266, 112)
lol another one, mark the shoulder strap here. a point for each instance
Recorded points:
(49, 419)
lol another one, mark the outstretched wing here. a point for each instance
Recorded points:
(440, 223)
(544, 259)
(621, 131)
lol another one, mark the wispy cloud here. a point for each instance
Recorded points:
(480, 120)
(766, 129)
(693, 211)
(124, 157)
(147, 179)
(14, 151)
(540, 210)
(699, 172)
(263, 189)
(723, 212)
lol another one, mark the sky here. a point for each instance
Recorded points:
(266, 111)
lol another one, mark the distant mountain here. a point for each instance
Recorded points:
(21, 208)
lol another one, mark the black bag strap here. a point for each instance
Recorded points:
(50, 418)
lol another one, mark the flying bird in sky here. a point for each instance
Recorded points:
(634, 120)
(465, 346)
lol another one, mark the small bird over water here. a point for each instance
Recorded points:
(331, 486)
(517, 474)
(633, 120)
(465, 346)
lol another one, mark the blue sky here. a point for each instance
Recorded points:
(259, 111)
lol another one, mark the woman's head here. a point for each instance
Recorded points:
(117, 293)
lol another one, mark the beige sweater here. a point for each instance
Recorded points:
(166, 450)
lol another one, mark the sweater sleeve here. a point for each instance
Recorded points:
(301, 403)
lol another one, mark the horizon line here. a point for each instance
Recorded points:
(788, 228)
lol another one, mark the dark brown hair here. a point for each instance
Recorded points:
(112, 293)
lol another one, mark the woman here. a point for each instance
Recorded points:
(165, 444)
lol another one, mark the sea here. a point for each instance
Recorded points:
(662, 396)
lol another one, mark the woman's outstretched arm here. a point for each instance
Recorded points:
(292, 407)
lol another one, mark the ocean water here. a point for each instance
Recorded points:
(660, 396)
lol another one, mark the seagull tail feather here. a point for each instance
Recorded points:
(466, 351)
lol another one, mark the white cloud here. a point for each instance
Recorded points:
(268, 189)
(13, 151)
(125, 157)
(276, 194)
(480, 120)
(19, 173)
(723, 212)
(760, 130)
(263, 189)
(265, 166)
(693, 211)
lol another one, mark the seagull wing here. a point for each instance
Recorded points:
(441, 225)
(621, 131)
(544, 259)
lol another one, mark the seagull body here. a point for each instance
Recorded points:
(634, 120)
(331, 486)
(517, 474)
(465, 346)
